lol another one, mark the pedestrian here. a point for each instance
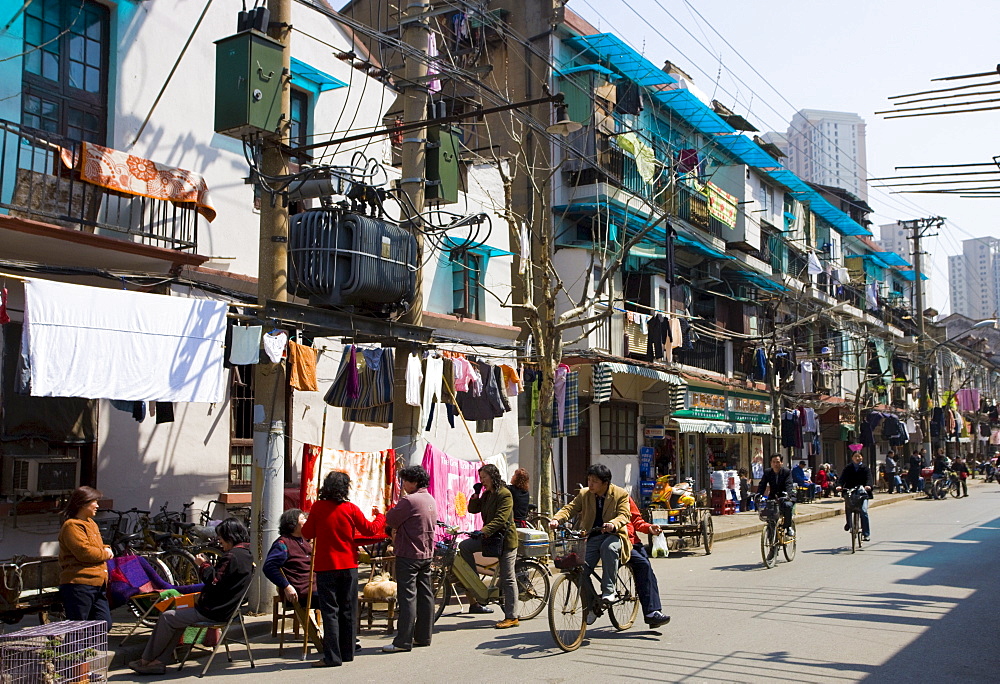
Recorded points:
(412, 521)
(83, 573)
(522, 500)
(225, 585)
(823, 480)
(916, 465)
(287, 566)
(645, 579)
(339, 527)
(962, 470)
(493, 500)
(892, 474)
(744, 489)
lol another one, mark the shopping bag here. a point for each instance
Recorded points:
(660, 549)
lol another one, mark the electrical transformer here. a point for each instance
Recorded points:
(248, 83)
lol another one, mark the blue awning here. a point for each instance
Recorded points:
(893, 259)
(757, 280)
(700, 248)
(597, 68)
(911, 275)
(485, 250)
(315, 80)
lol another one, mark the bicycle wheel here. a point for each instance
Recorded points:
(441, 583)
(624, 610)
(532, 587)
(183, 566)
(855, 530)
(955, 489)
(567, 614)
(768, 543)
(707, 534)
(158, 566)
(211, 553)
(789, 546)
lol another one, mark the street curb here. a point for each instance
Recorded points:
(756, 527)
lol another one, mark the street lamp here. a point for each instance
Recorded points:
(563, 125)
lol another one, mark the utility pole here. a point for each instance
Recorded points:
(416, 98)
(919, 228)
(269, 378)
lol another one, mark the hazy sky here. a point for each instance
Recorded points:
(846, 55)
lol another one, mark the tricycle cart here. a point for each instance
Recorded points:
(29, 585)
(692, 525)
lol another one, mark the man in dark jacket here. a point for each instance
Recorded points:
(891, 476)
(857, 474)
(916, 465)
(778, 483)
(412, 520)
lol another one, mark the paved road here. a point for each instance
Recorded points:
(917, 604)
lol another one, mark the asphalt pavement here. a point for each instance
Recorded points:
(916, 604)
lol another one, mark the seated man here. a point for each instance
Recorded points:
(777, 483)
(645, 579)
(287, 566)
(602, 510)
(225, 584)
(801, 478)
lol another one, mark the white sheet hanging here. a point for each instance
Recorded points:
(101, 343)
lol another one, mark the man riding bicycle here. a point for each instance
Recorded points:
(778, 483)
(602, 510)
(857, 474)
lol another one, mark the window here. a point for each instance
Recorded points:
(65, 69)
(467, 280)
(241, 429)
(298, 130)
(618, 428)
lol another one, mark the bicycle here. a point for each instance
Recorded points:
(855, 499)
(449, 568)
(773, 536)
(572, 595)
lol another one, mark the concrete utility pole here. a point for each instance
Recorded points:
(918, 228)
(416, 98)
(269, 378)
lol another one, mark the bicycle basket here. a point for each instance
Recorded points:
(569, 552)
(769, 511)
(856, 498)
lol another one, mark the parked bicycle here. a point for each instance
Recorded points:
(949, 484)
(773, 536)
(572, 595)
(449, 569)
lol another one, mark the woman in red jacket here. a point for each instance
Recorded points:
(338, 526)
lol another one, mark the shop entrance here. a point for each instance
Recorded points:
(578, 452)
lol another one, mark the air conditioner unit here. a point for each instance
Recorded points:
(40, 475)
(708, 272)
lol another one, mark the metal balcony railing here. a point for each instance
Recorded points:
(708, 354)
(35, 184)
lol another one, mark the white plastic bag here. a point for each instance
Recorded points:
(660, 549)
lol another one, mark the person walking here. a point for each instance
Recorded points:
(493, 500)
(962, 470)
(412, 521)
(338, 526)
(83, 573)
(916, 465)
(892, 474)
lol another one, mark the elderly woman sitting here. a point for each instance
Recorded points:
(287, 566)
(225, 585)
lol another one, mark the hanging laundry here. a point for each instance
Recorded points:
(871, 296)
(433, 68)
(560, 394)
(498, 380)
(370, 487)
(804, 378)
(487, 404)
(571, 414)
(628, 99)
(464, 373)
(791, 429)
(687, 160)
(451, 485)
(645, 158)
(4, 318)
(759, 365)
(373, 370)
(274, 345)
(164, 412)
(129, 345)
(139, 411)
(814, 266)
(512, 381)
(656, 339)
(967, 399)
(433, 376)
(414, 376)
(669, 265)
(245, 347)
(302, 367)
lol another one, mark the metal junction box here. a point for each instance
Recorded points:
(442, 164)
(248, 84)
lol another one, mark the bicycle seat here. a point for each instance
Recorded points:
(532, 507)
(202, 531)
(136, 536)
(185, 525)
(159, 537)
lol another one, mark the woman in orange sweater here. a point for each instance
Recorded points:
(83, 578)
(339, 527)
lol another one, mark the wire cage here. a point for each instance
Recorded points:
(75, 652)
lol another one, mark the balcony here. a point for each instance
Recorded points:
(612, 165)
(36, 184)
(708, 354)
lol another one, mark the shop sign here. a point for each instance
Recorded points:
(654, 431)
(706, 400)
(749, 409)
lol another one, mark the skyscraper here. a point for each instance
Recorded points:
(974, 278)
(829, 148)
(894, 238)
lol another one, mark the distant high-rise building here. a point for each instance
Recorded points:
(828, 148)
(974, 278)
(894, 238)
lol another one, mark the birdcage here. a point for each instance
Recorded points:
(71, 652)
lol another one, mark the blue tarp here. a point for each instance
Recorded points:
(700, 248)
(758, 280)
(911, 275)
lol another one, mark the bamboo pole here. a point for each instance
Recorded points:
(464, 422)
(307, 623)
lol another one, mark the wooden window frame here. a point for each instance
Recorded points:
(619, 428)
(467, 269)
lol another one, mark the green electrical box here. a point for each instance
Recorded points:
(443, 143)
(248, 83)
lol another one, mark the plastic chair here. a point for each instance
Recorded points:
(202, 627)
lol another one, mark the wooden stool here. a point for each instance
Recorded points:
(280, 611)
(368, 603)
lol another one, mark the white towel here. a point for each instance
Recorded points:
(245, 347)
(113, 344)
(274, 345)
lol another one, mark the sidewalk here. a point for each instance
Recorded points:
(743, 524)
